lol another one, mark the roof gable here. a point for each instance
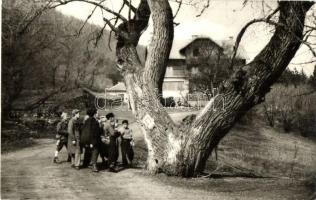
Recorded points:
(195, 39)
(119, 87)
(179, 46)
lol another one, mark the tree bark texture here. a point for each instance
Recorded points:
(183, 149)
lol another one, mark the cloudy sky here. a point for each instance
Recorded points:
(220, 20)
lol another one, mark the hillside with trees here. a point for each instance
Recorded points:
(53, 54)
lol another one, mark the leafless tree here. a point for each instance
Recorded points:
(35, 50)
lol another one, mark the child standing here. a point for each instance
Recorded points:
(127, 144)
(74, 139)
(110, 129)
(61, 136)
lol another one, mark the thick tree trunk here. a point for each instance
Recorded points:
(144, 83)
(183, 150)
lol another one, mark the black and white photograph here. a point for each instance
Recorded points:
(158, 99)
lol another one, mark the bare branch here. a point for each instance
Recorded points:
(178, 9)
(98, 4)
(99, 35)
(243, 30)
(116, 21)
(109, 40)
(87, 19)
(116, 30)
(303, 63)
(132, 8)
(129, 11)
(312, 49)
(204, 8)
(35, 16)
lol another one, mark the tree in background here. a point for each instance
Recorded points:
(293, 77)
(21, 52)
(51, 55)
(211, 76)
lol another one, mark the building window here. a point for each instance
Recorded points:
(178, 71)
(196, 52)
(173, 85)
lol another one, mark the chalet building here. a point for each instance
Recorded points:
(188, 58)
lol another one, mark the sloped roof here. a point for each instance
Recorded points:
(119, 87)
(176, 46)
(227, 45)
(93, 93)
(193, 39)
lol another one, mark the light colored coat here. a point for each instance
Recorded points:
(73, 135)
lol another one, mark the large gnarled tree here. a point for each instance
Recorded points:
(184, 149)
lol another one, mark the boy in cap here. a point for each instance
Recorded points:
(61, 136)
(74, 139)
(127, 144)
(110, 129)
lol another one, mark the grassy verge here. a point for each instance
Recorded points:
(15, 136)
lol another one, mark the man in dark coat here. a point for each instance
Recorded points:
(90, 139)
(74, 139)
(110, 129)
(61, 136)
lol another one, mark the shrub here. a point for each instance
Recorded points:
(293, 107)
(168, 102)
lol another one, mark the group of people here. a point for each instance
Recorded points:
(94, 136)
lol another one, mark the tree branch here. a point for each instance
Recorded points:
(98, 4)
(87, 19)
(204, 8)
(243, 30)
(178, 9)
(132, 8)
(160, 46)
(116, 30)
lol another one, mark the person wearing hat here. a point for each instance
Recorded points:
(61, 136)
(74, 139)
(90, 139)
(110, 129)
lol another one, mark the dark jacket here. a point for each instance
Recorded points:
(62, 132)
(73, 135)
(109, 130)
(90, 132)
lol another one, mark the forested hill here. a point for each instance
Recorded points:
(59, 49)
(55, 52)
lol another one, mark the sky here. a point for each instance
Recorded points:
(221, 20)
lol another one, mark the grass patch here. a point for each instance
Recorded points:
(15, 136)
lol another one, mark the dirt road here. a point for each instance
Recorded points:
(30, 174)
